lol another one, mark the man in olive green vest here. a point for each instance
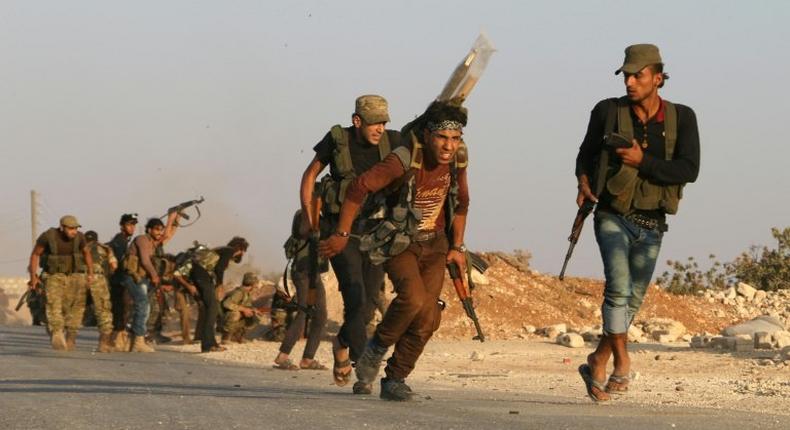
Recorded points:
(635, 184)
(67, 262)
(349, 152)
(104, 264)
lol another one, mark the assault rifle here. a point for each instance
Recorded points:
(28, 295)
(179, 209)
(612, 140)
(465, 297)
(576, 231)
(22, 300)
(314, 211)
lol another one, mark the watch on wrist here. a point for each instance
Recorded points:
(341, 233)
(460, 248)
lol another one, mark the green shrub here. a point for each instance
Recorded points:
(687, 277)
(761, 267)
(765, 268)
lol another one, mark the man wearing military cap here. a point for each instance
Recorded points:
(67, 262)
(349, 152)
(634, 185)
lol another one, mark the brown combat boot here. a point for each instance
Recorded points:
(225, 338)
(120, 341)
(139, 345)
(104, 343)
(71, 340)
(58, 341)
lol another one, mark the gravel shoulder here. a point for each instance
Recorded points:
(667, 375)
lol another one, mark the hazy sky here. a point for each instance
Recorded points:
(109, 107)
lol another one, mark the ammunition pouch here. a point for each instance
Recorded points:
(131, 264)
(393, 234)
(630, 192)
(63, 264)
(332, 193)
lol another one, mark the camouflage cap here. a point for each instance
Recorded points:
(69, 221)
(250, 279)
(637, 57)
(372, 109)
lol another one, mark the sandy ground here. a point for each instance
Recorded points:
(665, 374)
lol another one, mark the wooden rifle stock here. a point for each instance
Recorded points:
(576, 231)
(466, 299)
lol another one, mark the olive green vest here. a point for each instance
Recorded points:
(394, 226)
(333, 192)
(65, 264)
(629, 191)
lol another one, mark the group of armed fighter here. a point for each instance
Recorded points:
(395, 203)
(129, 282)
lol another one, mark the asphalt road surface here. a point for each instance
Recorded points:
(45, 389)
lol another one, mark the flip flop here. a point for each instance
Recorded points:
(314, 365)
(590, 383)
(285, 365)
(341, 376)
(617, 384)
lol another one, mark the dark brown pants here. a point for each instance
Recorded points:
(414, 314)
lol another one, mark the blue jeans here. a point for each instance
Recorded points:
(139, 294)
(629, 254)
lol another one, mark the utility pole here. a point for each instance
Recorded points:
(33, 216)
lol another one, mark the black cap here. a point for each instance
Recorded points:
(91, 236)
(128, 218)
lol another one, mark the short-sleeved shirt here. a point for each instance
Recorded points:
(432, 184)
(363, 154)
(63, 245)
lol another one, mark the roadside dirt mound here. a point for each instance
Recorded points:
(515, 297)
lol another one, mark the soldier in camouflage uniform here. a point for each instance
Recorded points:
(240, 316)
(160, 299)
(104, 264)
(64, 255)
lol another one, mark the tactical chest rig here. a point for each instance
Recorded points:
(396, 221)
(133, 266)
(63, 264)
(333, 191)
(629, 191)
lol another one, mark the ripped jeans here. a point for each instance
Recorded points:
(629, 254)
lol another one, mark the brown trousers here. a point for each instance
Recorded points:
(414, 314)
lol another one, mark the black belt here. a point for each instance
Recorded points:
(423, 236)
